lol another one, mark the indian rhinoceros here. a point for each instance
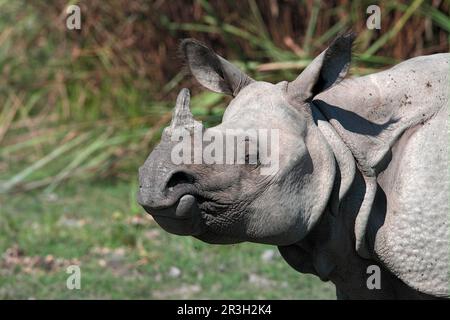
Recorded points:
(362, 180)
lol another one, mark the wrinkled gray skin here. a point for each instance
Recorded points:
(363, 176)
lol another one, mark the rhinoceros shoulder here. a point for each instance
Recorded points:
(414, 240)
(370, 113)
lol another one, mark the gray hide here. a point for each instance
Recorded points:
(362, 178)
(395, 123)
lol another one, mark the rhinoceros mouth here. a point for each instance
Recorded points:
(183, 217)
(180, 209)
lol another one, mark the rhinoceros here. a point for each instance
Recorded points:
(362, 183)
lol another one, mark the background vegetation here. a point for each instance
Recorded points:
(80, 111)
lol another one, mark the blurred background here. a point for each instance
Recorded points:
(81, 109)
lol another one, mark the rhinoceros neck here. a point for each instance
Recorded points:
(345, 180)
(330, 246)
(345, 161)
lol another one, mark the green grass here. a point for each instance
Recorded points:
(124, 254)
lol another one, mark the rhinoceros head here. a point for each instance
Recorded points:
(280, 180)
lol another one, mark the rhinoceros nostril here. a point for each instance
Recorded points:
(179, 177)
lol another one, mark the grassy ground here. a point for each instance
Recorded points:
(124, 254)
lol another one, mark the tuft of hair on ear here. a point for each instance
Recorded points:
(351, 36)
(342, 43)
(182, 56)
(339, 53)
(348, 35)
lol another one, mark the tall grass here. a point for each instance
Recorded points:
(90, 104)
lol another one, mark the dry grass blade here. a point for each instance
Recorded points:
(77, 161)
(7, 116)
(21, 176)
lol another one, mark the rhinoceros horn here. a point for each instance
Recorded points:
(182, 117)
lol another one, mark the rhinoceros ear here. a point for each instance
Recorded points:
(325, 70)
(211, 70)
